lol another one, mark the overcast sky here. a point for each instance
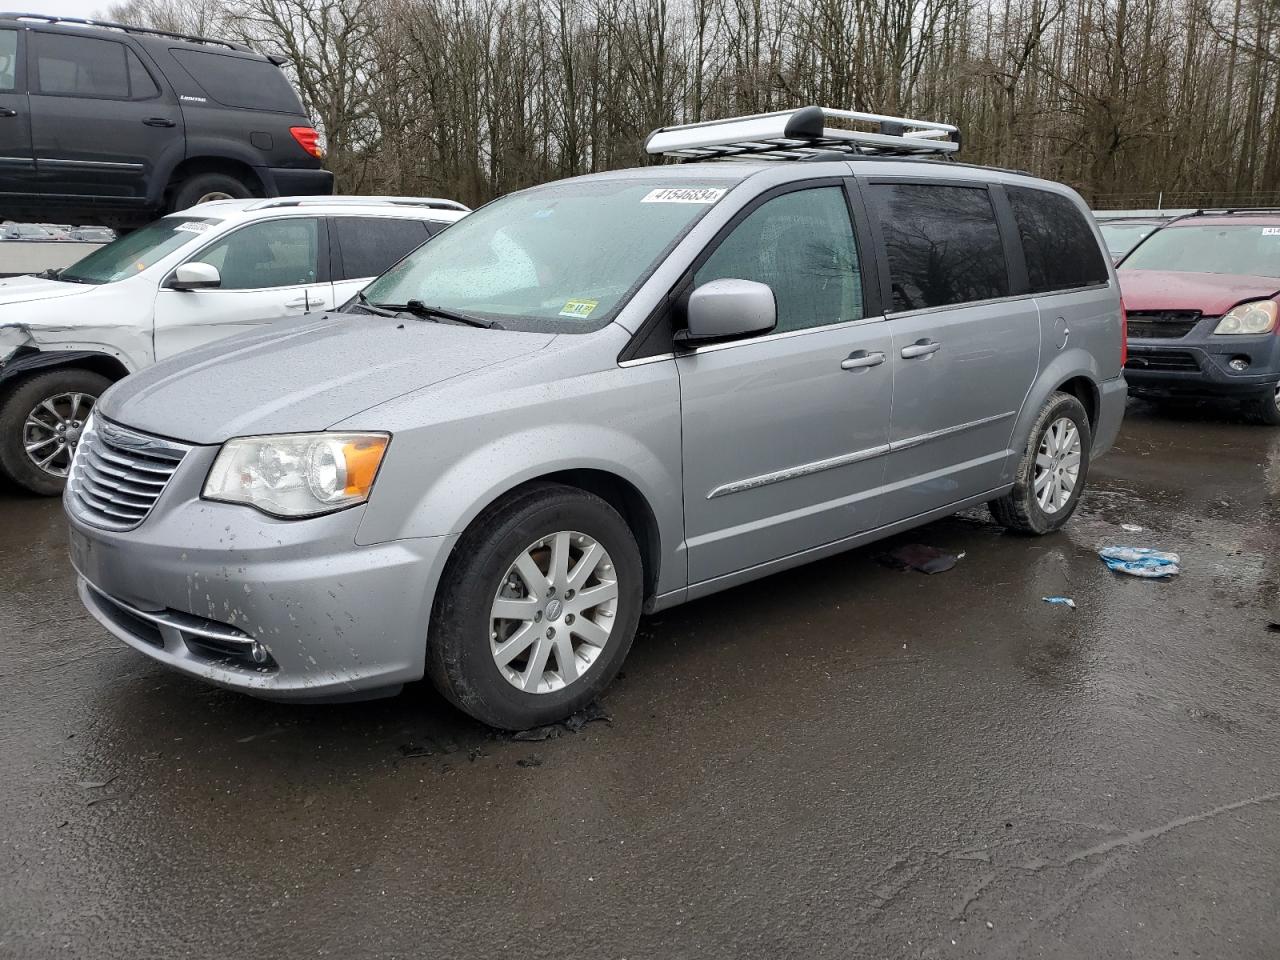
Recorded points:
(64, 8)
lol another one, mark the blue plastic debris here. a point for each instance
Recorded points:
(1060, 601)
(1140, 561)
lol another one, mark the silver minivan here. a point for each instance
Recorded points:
(601, 397)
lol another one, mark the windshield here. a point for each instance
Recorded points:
(134, 252)
(1120, 238)
(1246, 249)
(564, 258)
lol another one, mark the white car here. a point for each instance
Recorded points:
(187, 279)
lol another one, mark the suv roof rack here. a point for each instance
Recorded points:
(803, 135)
(109, 25)
(435, 203)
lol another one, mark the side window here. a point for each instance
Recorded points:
(273, 253)
(141, 86)
(8, 60)
(80, 66)
(801, 244)
(1059, 247)
(371, 244)
(942, 242)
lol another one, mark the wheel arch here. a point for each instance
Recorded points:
(35, 361)
(613, 489)
(192, 166)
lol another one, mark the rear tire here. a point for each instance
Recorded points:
(556, 668)
(1263, 409)
(1032, 507)
(204, 187)
(25, 422)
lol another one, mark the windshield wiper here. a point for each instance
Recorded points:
(375, 308)
(50, 274)
(417, 308)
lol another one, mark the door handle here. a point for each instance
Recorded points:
(294, 304)
(923, 348)
(8, 112)
(159, 122)
(861, 359)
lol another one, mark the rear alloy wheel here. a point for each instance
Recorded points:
(1052, 472)
(537, 608)
(40, 425)
(1264, 408)
(207, 187)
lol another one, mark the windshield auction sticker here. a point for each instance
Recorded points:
(193, 226)
(683, 195)
(579, 308)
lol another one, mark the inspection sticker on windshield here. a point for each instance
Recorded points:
(193, 226)
(579, 308)
(683, 195)
(1271, 231)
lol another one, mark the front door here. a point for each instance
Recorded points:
(17, 168)
(268, 270)
(964, 353)
(784, 434)
(100, 123)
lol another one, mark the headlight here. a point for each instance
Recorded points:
(1256, 317)
(297, 474)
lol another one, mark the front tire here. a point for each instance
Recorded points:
(40, 423)
(1263, 409)
(1052, 473)
(537, 608)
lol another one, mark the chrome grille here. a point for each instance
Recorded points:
(118, 474)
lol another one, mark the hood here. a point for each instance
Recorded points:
(1213, 294)
(25, 289)
(303, 375)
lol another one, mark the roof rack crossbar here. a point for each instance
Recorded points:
(110, 25)
(434, 203)
(798, 134)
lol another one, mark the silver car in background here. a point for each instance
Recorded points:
(604, 396)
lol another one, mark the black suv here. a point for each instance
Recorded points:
(111, 124)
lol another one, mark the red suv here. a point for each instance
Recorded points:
(1202, 298)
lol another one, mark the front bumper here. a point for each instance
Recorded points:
(295, 182)
(1197, 364)
(198, 583)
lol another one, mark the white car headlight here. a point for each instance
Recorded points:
(1258, 316)
(297, 474)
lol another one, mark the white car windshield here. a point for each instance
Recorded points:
(136, 251)
(564, 257)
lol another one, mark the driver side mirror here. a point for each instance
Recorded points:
(730, 308)
(195, 276)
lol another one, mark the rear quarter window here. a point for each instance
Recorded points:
(236, 81)
(942, 243)
(1060, 248)
(372, 244)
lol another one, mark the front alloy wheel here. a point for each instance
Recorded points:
(537, 607)
(41, 419)
(52, 430)
(554, 612)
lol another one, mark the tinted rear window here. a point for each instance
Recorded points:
(943, 244)
(1059, 246)
(80, 66)
(240, 81)
(371, 244)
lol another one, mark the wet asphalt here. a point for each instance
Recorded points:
(842, 761)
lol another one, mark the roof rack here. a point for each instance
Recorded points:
(434, 203)
(109, 25)
(803, 135)
(1162, 214)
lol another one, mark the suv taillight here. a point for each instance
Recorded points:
(1124, 335)
(309, 140)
